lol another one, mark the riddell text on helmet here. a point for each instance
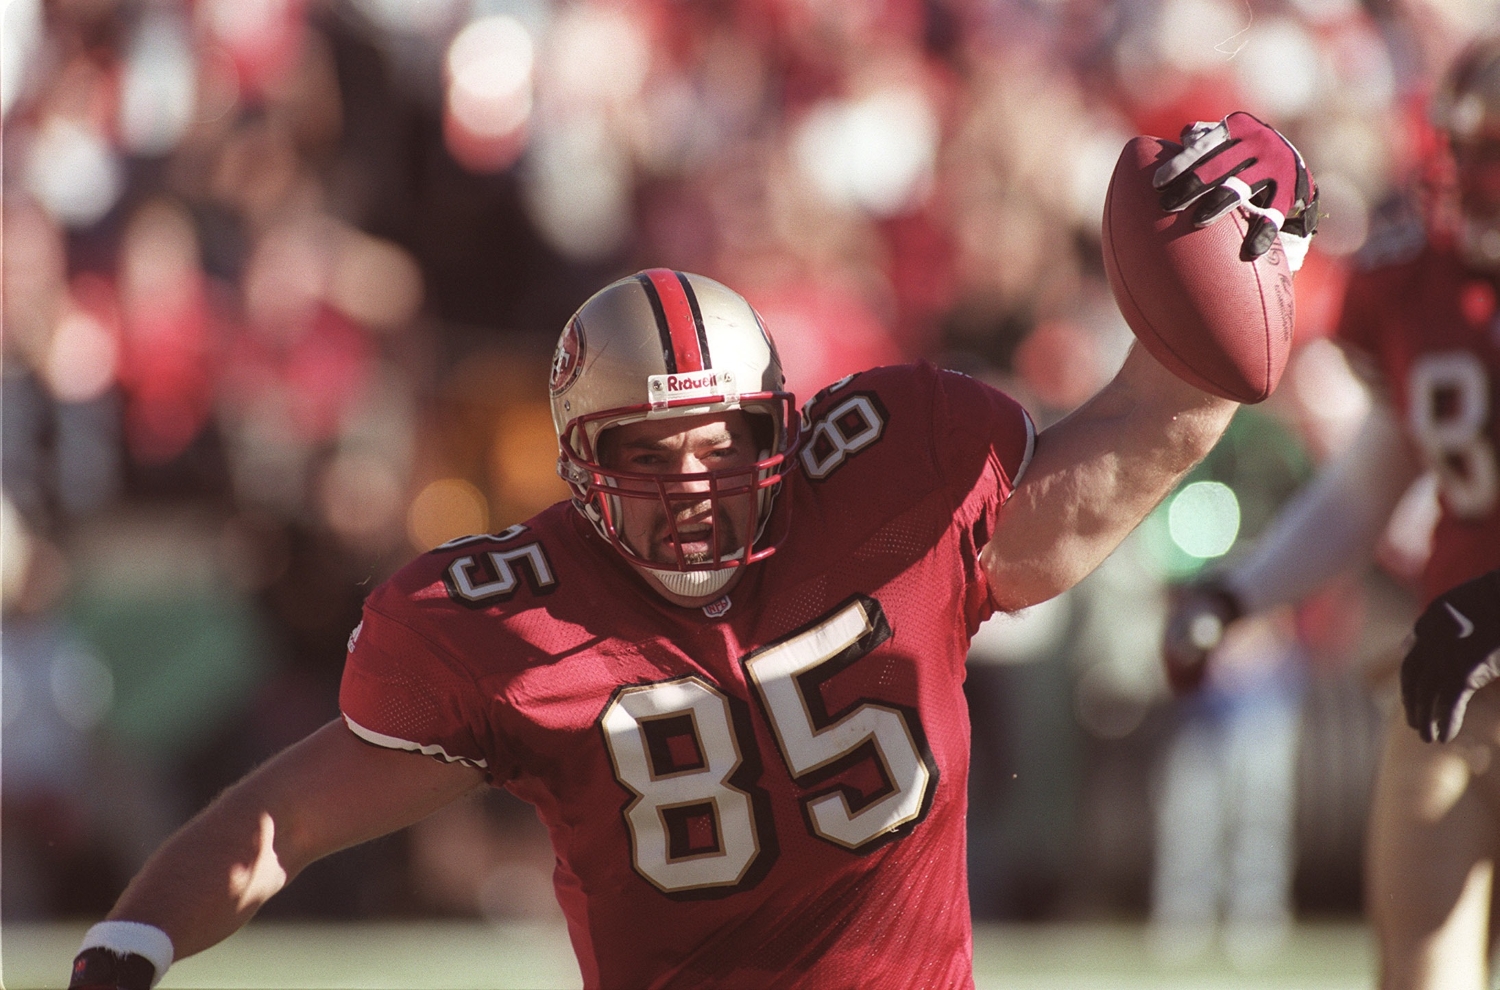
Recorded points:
(690, 383)
(687, 386)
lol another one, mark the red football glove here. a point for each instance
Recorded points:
(1243, 162)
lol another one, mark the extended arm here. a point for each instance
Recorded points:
(323, 794)
(1331, 525)
(1095, 475)
(1334, 523)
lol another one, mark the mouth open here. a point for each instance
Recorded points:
(695, 542)
(695, 535)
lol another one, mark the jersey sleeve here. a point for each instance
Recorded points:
(982, 436)
(983, 442)
(403, 692)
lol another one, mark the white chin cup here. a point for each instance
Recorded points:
(694, 584)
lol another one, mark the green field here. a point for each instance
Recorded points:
(469, 956)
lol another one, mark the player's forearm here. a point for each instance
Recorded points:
(1095, 475)
(211, 877)
(326, 793)
(1333, 524)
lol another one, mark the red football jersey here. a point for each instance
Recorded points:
(767, 791)
(1430, 326)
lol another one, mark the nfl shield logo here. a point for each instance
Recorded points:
(717, 607)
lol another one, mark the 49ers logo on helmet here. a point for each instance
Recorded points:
(567, 360)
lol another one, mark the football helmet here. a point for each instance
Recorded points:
(1466, 108)
(663, 344)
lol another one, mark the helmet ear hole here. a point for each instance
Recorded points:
(762, 430)
(607, 447)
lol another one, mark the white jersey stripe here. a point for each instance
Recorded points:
(1020, 471)
(394, 742)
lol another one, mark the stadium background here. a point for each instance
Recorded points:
(281, 279)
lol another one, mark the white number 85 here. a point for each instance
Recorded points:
(699, 827)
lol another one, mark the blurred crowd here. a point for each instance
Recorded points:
(281, 279)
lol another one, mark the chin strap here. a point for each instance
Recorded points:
(694, 584)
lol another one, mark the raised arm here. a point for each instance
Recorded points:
(1095, 475)
(323, 794)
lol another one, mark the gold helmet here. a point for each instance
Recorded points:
(663, 344)
(1467, 109)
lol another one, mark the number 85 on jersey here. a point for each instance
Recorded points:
(699, 827)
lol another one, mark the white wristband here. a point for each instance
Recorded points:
(1295, 246)
(144, 940)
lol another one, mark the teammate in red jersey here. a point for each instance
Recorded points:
(1421, 321)
(728, 673)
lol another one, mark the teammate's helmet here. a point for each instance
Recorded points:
(664, 344)
(1467, 109)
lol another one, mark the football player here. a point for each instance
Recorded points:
(728, 672)
(1420, 321)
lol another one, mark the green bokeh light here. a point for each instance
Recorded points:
(1204, 519)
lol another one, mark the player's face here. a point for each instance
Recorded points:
(686, 445)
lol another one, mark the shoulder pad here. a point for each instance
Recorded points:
(825, 392)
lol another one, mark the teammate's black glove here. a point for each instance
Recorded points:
(1240, 161)
(98, 968)
(1201, 612)
(1456, 652)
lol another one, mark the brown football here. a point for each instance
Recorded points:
(1219, 323)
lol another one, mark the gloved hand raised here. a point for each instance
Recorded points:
(1243, 162)
(1456, 651)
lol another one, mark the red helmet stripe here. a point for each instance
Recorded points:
(678, 319)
